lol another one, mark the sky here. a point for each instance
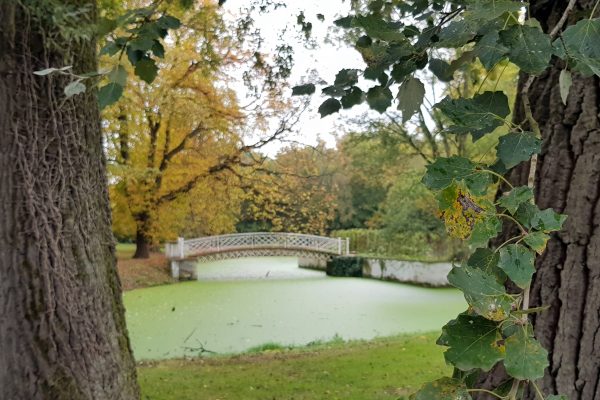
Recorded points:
(326, 59)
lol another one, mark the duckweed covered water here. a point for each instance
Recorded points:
(282, 304)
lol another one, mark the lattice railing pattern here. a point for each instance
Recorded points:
(256, 240)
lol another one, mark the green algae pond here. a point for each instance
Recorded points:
(241, 304)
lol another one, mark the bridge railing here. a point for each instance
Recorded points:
(256, 240)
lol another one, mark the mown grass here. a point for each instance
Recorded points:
(388, 368)
(141, 273)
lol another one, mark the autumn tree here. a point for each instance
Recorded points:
(294, 192)
(184, 134)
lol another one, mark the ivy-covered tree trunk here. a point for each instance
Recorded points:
(62, 326)
(567, 180)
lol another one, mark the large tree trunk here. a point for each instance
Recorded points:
(143, 239)
(62, 325)
(568, 180)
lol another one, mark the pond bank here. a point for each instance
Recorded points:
(413, 272)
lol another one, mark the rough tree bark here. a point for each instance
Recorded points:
(62, 326)
(567, 180)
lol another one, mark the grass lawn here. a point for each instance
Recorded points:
(388, 368)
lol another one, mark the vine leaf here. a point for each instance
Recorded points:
(529, 47)
(443, 389)
(441, 69)
(302, 90)
(486, 10)
(548, 220)
(537, 241)
(74, 88)
(479, 115)
(118, 75)
(346, 77)
(513, 199)
(487, 260)
(526, 214)
(482, 291)
(379, 98)
(473, 341)
(525, 357)
(515, 147)
(518, 263)
(109, 94)
(410, 97)
(564, 83)
(581, 43)
(444, 171)
(329, 106)
(352, 97)
(146, 69)
(484, 230)
(489, 49)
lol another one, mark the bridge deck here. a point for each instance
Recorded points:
(252, 242)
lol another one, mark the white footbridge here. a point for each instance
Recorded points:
(185, 254)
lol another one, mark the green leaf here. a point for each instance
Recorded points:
(487, 261)
(516, 147)
(329, 106)
(352, 97)
(378, 28)
(111, 48)
(525, 357)
(302, 90)
(484, 230)
(346, 77)
(441, 69)
(446, 197)
(548, 220)
(157, 49)
(379, 98)
(582, 44)
(513, 199)
(142, 43)
(168, 22)
(564, 82)
(518, 263)
(537, 241)
(479, 115)
(489, 50)
(526, 214)
(344, 22)
(457, 33)
(410, 97)
(529, 47)
(443, 389)
(482, 291)
(146, 69)
(443, 171)
(109, 94)
(73, 88)
(473, 341)
(486, 10)
(118, 75)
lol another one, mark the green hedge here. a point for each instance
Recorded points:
(420, 247)
(345, 266)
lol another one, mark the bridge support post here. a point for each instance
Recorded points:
(340, 246)
(347, 246)
(175, 269)
(180, 247)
